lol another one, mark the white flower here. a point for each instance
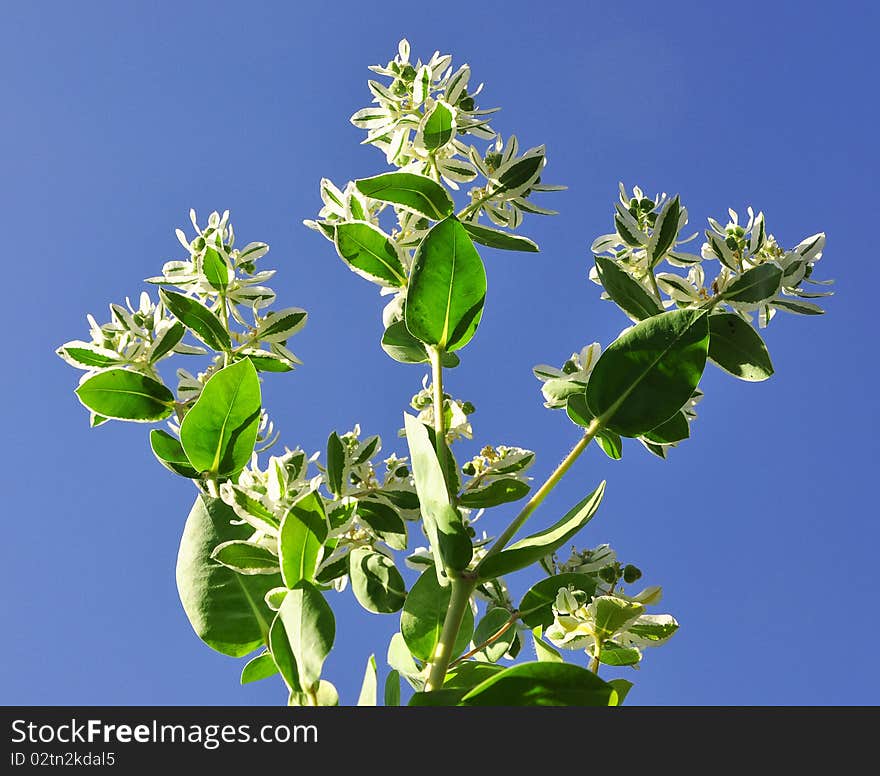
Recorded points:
(559, 384)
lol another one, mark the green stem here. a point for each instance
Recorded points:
(655, 286)
(594, 428)
(224, 314)
(458, 602)
(491, 640)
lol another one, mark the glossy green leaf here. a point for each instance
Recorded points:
(492, 622)
(542, 684)
(369, 686)
(384, 520)
(400, 659)
(500, 491)
(531, 549)
(755, 285)
(392, 689)
(219, 432)
(626, 292)
(611, 444)
(375, 581)
(495, 238)
(412, 192)
(421, 620)
(226, 610)
(665, 231)
(335, 464)
(649, 372)
(264, 361)
(447, 288)
(281, 325)
(125, 395)
(260, 667)
(796, 306)
(737, 348)
(536, 607)
(438, 127)
(467, 675)
(370, 253)
(88, 355)
(198, 319)
(301, 538)
(216, 269)
(306, 623)
(398, 343)
(169, 453)
(167, 341)
(246, 558)
(670, 431)
(449, 539)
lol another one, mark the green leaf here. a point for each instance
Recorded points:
(264, 361)
(392, 689)
(447, 288)
(281, 325)
(737, 348)
(369, 686)
(198, 319)
(87, 355)
(421, 620)
(542, 684)
(626, 292)
(649, 372)
(400, 659)
(125, 395)
(449, 539)
(304, 630)
(215, 269)
(536, 607)
(335, 570)
(169, 453)
(370, 252)
(755, 285)
(325, 694)
(335, 464)
(219, 432)
(398, 343)
(260, 667)
(616, 655)
(246, 558)
(611, 444)
(226, 610)
(375, 581)
(614, 614)
(412, 192)
(531, 549)
(301, 539)
(665, 231)
(438, 127)
(166, 341)
(493, 621)
(500, 491)
(670, 431)
(622, 686)
(467, 675)
(797, 307)
(544, 652)
(384, 521)
(495, 238)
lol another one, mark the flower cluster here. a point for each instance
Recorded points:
(455, 412)
(560, 384)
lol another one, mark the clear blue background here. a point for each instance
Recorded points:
(119, 117)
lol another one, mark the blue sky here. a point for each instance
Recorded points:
(120, 117)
